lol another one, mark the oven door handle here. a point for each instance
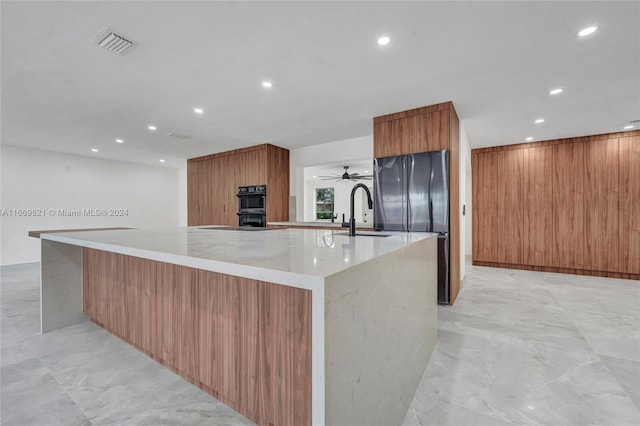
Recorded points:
(243, 213)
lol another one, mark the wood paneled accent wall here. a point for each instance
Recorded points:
(566, 205)
(246, 342)
(430, 128)
(213, 181)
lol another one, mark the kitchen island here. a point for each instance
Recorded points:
(286, 326)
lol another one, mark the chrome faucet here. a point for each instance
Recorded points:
(352, 222)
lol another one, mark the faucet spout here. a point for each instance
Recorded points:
(352, 222)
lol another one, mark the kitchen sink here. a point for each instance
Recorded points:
(365, 234)
(237, 228)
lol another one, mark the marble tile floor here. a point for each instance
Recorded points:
(518, 348)
(533, 348)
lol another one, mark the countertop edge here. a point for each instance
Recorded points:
(292, 279)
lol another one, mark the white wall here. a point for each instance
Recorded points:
(37, 179)
(327, 153)
(465, 191)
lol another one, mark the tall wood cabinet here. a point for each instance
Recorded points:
(430, 128)
(213, 181)
(509, 212)
(537, 198)
(630, 203)
(485, 198)
(567, 205)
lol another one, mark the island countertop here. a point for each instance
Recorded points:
(286, 256)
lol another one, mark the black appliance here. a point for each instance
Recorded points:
(412, 195)
(252, 206)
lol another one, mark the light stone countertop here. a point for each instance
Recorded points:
(319, 224)
(296, 257)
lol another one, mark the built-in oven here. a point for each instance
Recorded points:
(252, 206)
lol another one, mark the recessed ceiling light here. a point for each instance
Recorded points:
(586, 31)
(119, 140)
(94, 150)
(529, 139)
(198, 110)
(366, 171)
(152, 127)
(384, 40)
(628, 127)
(266, 84)
(161, 160)
(555, 91)
(315, 176)
(539, 120)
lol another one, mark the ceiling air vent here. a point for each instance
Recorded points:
(114, 42)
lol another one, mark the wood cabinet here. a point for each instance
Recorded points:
(391, 137)
(213, 181)
(509, 211)
(537, 203)
(430, 128)
(567, 205)
(429, 132)
(630, 204)
(485, 199)
(422, 130)
(601, 208)
(199, 178)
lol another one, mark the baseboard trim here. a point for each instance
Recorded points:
(607, 274)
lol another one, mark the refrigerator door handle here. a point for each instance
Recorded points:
(409, 179)
(430, 198)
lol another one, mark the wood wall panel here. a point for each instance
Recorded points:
(537, 200)
(630, 204)
(602, 205)
(485, 205)
(246, 342)
(593, 207)
(568, 206)
(509, 208)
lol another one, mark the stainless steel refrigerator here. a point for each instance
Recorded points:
(412, 194)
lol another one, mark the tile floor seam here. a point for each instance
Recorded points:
(55, 377)
(594, 351)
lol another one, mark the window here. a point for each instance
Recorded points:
(324, 203)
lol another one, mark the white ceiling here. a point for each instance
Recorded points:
(495, 60)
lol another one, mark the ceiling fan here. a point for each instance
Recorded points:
(347, 176)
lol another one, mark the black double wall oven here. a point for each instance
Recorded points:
(252, 206)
